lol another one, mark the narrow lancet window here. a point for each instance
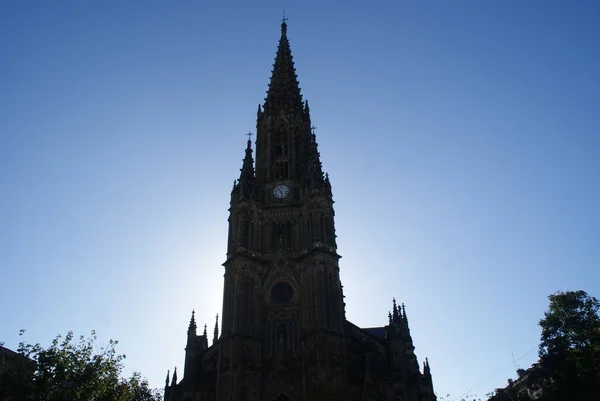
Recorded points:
(281, 170)
(281, 153)
(281, 143)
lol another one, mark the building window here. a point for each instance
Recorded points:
(281, 169)
(281, 143)
(281, 152)
(282, 292)
(281, 236)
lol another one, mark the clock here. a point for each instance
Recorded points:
(281, 191)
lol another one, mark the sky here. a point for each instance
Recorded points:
(462, 139)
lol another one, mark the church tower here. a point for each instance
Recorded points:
(284, 334)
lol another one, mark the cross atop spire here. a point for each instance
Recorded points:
(284, 19)
(283, 25)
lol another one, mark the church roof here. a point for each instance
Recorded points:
(377, 332)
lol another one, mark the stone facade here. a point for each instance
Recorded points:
(523, 388)
(284, 334)
(11, 360)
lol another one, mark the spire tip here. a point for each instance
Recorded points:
(283, 24)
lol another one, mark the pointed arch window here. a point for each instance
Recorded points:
(250, 234)
(281, 169)
(281, 151)
(282, 235)
(281, 142)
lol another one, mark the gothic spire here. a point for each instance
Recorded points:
(427, 375)
(327, 186)
(315, 168)
(216, 334)
(246, 181)
(406, 334)
(284, 90)
(174, 381)
(405, 321)
(167, 381)
(205, 337)
(192, 327)
(395, 315)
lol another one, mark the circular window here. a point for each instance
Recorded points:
(282, 292)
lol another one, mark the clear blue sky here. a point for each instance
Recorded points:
(462, 139)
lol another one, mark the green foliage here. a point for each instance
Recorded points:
(569, 351)
(74, 370)
(572, 323)
(570, 348)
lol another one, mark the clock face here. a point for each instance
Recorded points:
(281, 191)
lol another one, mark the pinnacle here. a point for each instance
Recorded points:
(395, 312)
(247, 171)
(315, 171)
(192, 327)
(174, 381)
(216, 332)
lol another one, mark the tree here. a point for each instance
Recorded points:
(570, 348)
(569, 351)
(572, 323)
(72, 370)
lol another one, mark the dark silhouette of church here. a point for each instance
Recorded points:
(284, 334)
